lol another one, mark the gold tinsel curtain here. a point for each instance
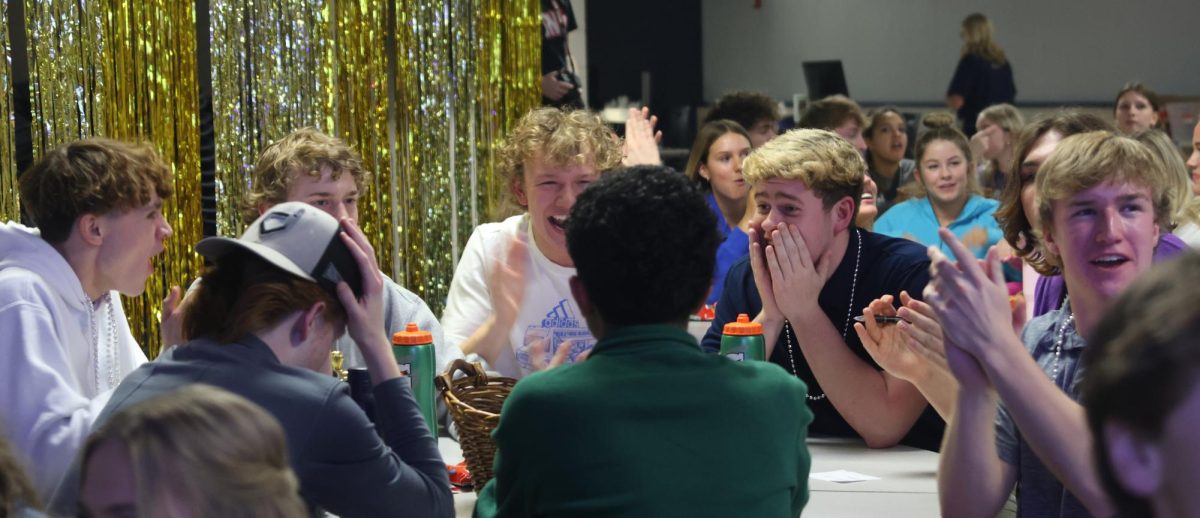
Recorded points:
(10, 207)
(126, 70)
(423, 89)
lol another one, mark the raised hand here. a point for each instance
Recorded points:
(507, 282)
(364, 315)
(641, 141)
(922, 330)
(762, 278)
(553, 88)
(171, 328)
(970, 300)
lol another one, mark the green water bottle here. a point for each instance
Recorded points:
(743, 340)
(413, 349)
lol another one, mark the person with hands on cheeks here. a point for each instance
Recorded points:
(309, 166)
(263, 323)
(809, 271)
(1101, 204)
(510, 302)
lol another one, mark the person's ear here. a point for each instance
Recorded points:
(264, 207)
(306, 326)
(90, 228)
(703, 171)
(1048, 240)
(1135, 462)
(1154, 122)
(843, 213)
(518, 189)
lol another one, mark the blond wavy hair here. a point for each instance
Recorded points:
(1086, 160)
(1182, 209)
(978, 38)
(91, 176)
(556, 137)
(204, 449)
(304, 151)
(826, 163)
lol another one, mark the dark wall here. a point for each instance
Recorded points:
(627, 37)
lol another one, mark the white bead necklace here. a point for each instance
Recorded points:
(108, 353)
(787, 326)
(1062, 337)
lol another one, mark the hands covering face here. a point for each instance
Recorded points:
(788, 278)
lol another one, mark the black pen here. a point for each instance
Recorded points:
(881, 319)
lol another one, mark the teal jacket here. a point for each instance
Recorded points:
(914, 219)
(650, 425)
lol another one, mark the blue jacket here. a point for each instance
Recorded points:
(914, 219)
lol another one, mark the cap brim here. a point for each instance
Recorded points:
(214, 248)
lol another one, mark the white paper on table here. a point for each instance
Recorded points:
(841, 476)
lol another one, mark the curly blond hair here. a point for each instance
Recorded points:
(304, 151)
(91, 176)
(824, 161)
(556, 137)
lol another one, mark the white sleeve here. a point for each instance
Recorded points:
(45, 414)
(469, 303)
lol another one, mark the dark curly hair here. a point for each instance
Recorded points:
(644, 244)
(745, 108)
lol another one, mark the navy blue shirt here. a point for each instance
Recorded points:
(981, 83)
(889, 265)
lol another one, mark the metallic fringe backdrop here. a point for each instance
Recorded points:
(466, 71)
(126, 70)
(10, 207)
(423, 89)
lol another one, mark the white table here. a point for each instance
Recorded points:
(907, 486)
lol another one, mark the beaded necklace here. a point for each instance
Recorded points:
(108, 353)
(787, 326)
(1062, 337)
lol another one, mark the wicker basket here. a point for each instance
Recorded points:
(474, 401)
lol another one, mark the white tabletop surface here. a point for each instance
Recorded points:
(907, 485)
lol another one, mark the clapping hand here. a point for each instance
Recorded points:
(641, 141)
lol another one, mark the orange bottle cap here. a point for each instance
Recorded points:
(412, 335)
(743, 326)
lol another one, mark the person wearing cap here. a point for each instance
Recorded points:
(309, 166)
(263, 323)
(65, 342)
(509, 303)
(810, 270)
(649, 424)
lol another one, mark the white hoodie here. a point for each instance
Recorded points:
(49, 391)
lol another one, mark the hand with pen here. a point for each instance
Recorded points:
(908, 344)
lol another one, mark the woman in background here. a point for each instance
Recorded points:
(983, 76)
(199, 451)
(1136, 109)
(716, 164)
(992, 145)
(945, 194)
(887, 140)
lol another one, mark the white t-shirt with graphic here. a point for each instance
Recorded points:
(548, 310)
